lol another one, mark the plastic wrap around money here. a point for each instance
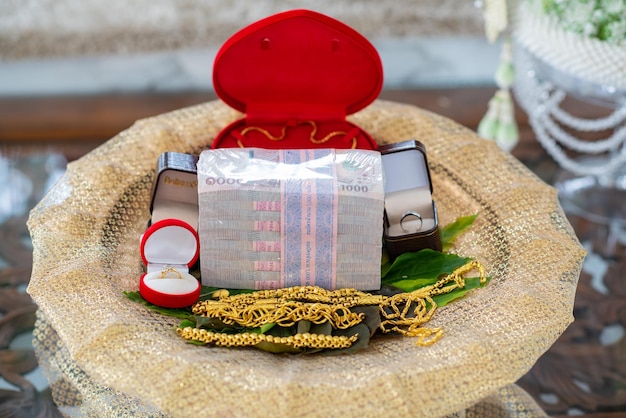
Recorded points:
(279, 218)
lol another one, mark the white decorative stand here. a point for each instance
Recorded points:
(549, 69)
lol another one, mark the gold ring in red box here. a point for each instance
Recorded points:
(169, 246)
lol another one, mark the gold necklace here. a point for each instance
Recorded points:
(312, 137)
(265, 132)
(297, 341)
(404, 313)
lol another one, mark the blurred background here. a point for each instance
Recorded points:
(72, 47)
(74, 73)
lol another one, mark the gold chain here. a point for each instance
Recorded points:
(247, 339)
(285, 313)
(326, 138)
(265, 132)
(395, 309)
(404, 313)
(312, 138)
(346, 296)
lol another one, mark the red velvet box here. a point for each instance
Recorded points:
(170, 246)
(168, 249)
(296, 75)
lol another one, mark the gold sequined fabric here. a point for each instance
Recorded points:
(106, 355)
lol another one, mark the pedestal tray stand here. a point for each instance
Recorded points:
(106, 355)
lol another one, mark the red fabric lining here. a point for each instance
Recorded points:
(164, 223)
(293, 67)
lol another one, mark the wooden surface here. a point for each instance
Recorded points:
(76, 124)
(577, 375)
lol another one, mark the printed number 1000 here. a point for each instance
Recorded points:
(354, 188)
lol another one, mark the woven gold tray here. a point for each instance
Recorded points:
(106, 355)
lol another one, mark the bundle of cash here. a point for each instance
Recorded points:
(278, 218)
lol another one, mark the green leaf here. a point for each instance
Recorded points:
(387, 290)
(187, 323)
(213, 324)
(265, 328)
(385, 267)
(303, 327)
(325, 328)
(372, 317)
(278, 331)
(450, 232)
(276, 348)
(134, 296)
(411, 271)
(410, 285)
(194, 342)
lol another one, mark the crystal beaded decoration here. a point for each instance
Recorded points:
(594, 184)
(541, 89)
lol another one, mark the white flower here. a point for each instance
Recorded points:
(600, 19)
(617, 7)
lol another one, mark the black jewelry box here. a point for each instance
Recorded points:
(410, 218)
(175, 190)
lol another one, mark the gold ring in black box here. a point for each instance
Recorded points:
(408, 190)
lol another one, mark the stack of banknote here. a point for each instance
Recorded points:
(279, 218)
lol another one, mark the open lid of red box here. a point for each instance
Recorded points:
(296, 67)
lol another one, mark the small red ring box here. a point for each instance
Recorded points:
(169, 248)
(297, 75)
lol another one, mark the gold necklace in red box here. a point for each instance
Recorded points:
(292, 70)
(312, 135)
